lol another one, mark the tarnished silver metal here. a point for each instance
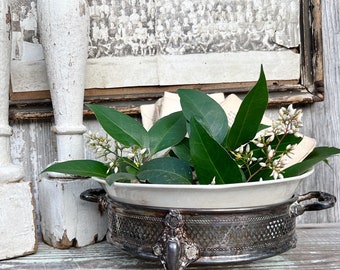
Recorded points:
(175, 250)
(323, 201)
(201, 236)
(179, 237)
(296, 209)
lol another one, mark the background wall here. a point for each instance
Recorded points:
(33, 143)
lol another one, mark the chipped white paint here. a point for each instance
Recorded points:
(17, 220)
(64, 35)
(17, 214)
(8, 171)
(66, 220)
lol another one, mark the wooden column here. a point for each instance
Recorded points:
(8, 171)
(63, 29)
(17, 217)
(66, 220)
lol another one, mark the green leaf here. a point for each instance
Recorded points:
(199, 105)
(87, 168)
(167, 170)
(318, 154)
(249, 115)
(182, 151)
(210, 159)
(262, 127)
(167, 131)
(127, 165)
(120, 177)
(120, 126)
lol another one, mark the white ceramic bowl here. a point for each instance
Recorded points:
(206, 196)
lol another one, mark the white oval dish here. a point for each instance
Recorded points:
(239, 195)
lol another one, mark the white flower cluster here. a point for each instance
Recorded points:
(112, 152)
(100, 146)
(288, 122)
(263, 151)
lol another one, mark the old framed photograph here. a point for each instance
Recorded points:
(139, 48)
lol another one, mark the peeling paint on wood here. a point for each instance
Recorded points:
(65, 50)
(317, 248)
(8, 16)
(66, 220)
(82, 9)
(17, 221)
(62, 243)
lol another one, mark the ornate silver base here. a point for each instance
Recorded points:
(179, 237)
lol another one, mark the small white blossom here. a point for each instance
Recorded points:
(270, 138)
(240, 149)
(276, 175)
(260, 145)
(299, 135)
(130, 155)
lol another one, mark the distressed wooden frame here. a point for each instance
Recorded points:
(309, 89)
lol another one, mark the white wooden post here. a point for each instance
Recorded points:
(17, 216)
(66, 220)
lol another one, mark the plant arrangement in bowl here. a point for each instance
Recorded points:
(212, 183)
(196, 151)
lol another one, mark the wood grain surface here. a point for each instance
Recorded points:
(318, 248)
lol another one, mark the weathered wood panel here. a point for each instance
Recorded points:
(17, 220)
(33, 146)
(317, 248)
(322, 118)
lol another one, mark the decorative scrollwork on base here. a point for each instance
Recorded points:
(173, 248)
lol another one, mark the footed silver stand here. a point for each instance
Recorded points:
(181, 237)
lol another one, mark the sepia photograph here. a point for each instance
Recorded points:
(169, 42)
